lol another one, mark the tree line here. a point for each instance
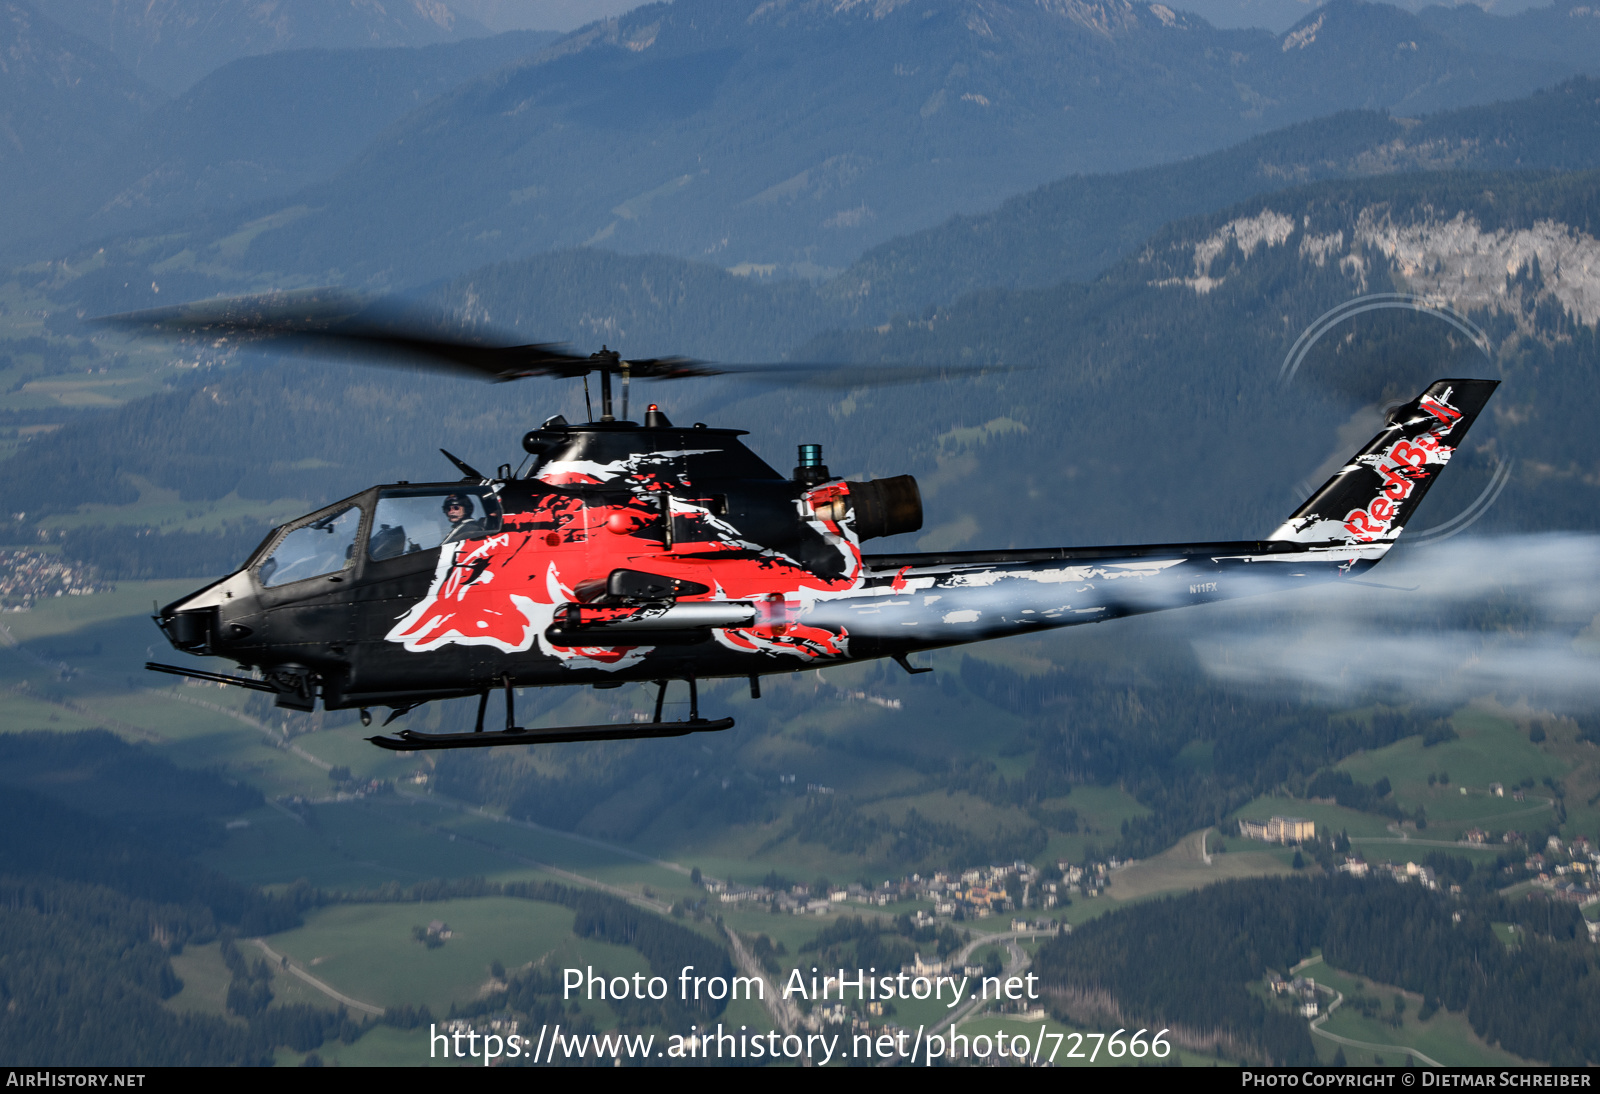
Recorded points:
(1190, 961)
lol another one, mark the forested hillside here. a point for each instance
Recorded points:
(1074, 228)
(1195, 328)
(1197, 341)
(1188, 962)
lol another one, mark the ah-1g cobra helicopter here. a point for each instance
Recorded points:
(648, 551)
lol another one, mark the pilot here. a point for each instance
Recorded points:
(458, 511)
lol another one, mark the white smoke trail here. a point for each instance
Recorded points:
(1513, 617)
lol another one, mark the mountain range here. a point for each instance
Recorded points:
(789, 137)
(775, 139)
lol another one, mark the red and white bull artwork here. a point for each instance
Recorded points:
(504, 590)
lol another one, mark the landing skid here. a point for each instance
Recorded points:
(409, 741)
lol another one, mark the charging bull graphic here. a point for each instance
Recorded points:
(506, 589)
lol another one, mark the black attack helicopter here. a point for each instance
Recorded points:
(647, 551)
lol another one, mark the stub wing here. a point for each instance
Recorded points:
(1369, 501)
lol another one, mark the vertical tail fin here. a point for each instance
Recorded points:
(1373, 497)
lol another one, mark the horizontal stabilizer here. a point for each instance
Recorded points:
(1372, 498)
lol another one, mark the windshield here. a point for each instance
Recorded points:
(324, 546)
(419, 519)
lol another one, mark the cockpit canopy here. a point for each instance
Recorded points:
(405, 520)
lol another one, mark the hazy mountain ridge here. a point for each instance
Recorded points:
(64, 102)
(1202, 341)
(1076, 227)
(172, 43)
(258, 128)
(1066, 230)
(1566, 30)
(794, 140)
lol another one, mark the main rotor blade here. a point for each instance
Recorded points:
(378, 331)
(333, 322)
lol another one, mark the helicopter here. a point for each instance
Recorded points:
(632, 551)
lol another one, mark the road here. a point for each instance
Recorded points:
(1018, 962)
(284, 963)
(783, 1011)
(1338, 1000)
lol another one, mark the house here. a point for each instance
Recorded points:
(1354, 865)
(1497, 789)
(1477, 835)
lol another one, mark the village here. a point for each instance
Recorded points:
(972, 894)
(28, 576)
(1566, 871)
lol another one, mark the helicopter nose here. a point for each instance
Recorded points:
(193, 631)
(209, 619)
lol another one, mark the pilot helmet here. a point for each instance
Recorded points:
(463, 500)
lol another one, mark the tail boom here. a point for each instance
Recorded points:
(922, 601)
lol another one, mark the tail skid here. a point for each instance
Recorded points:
(1369, 501)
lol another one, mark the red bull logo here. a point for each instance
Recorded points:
(1401, 469)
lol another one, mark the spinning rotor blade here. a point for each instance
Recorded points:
(338, 323)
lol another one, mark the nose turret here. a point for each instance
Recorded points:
(204, 622)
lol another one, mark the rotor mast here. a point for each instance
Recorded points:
(606, 362)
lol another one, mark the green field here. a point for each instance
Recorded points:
(159, 507)
(367, 951)
(1183, 867)
(205, 980)
(1491, 748)
(1446, 1036)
